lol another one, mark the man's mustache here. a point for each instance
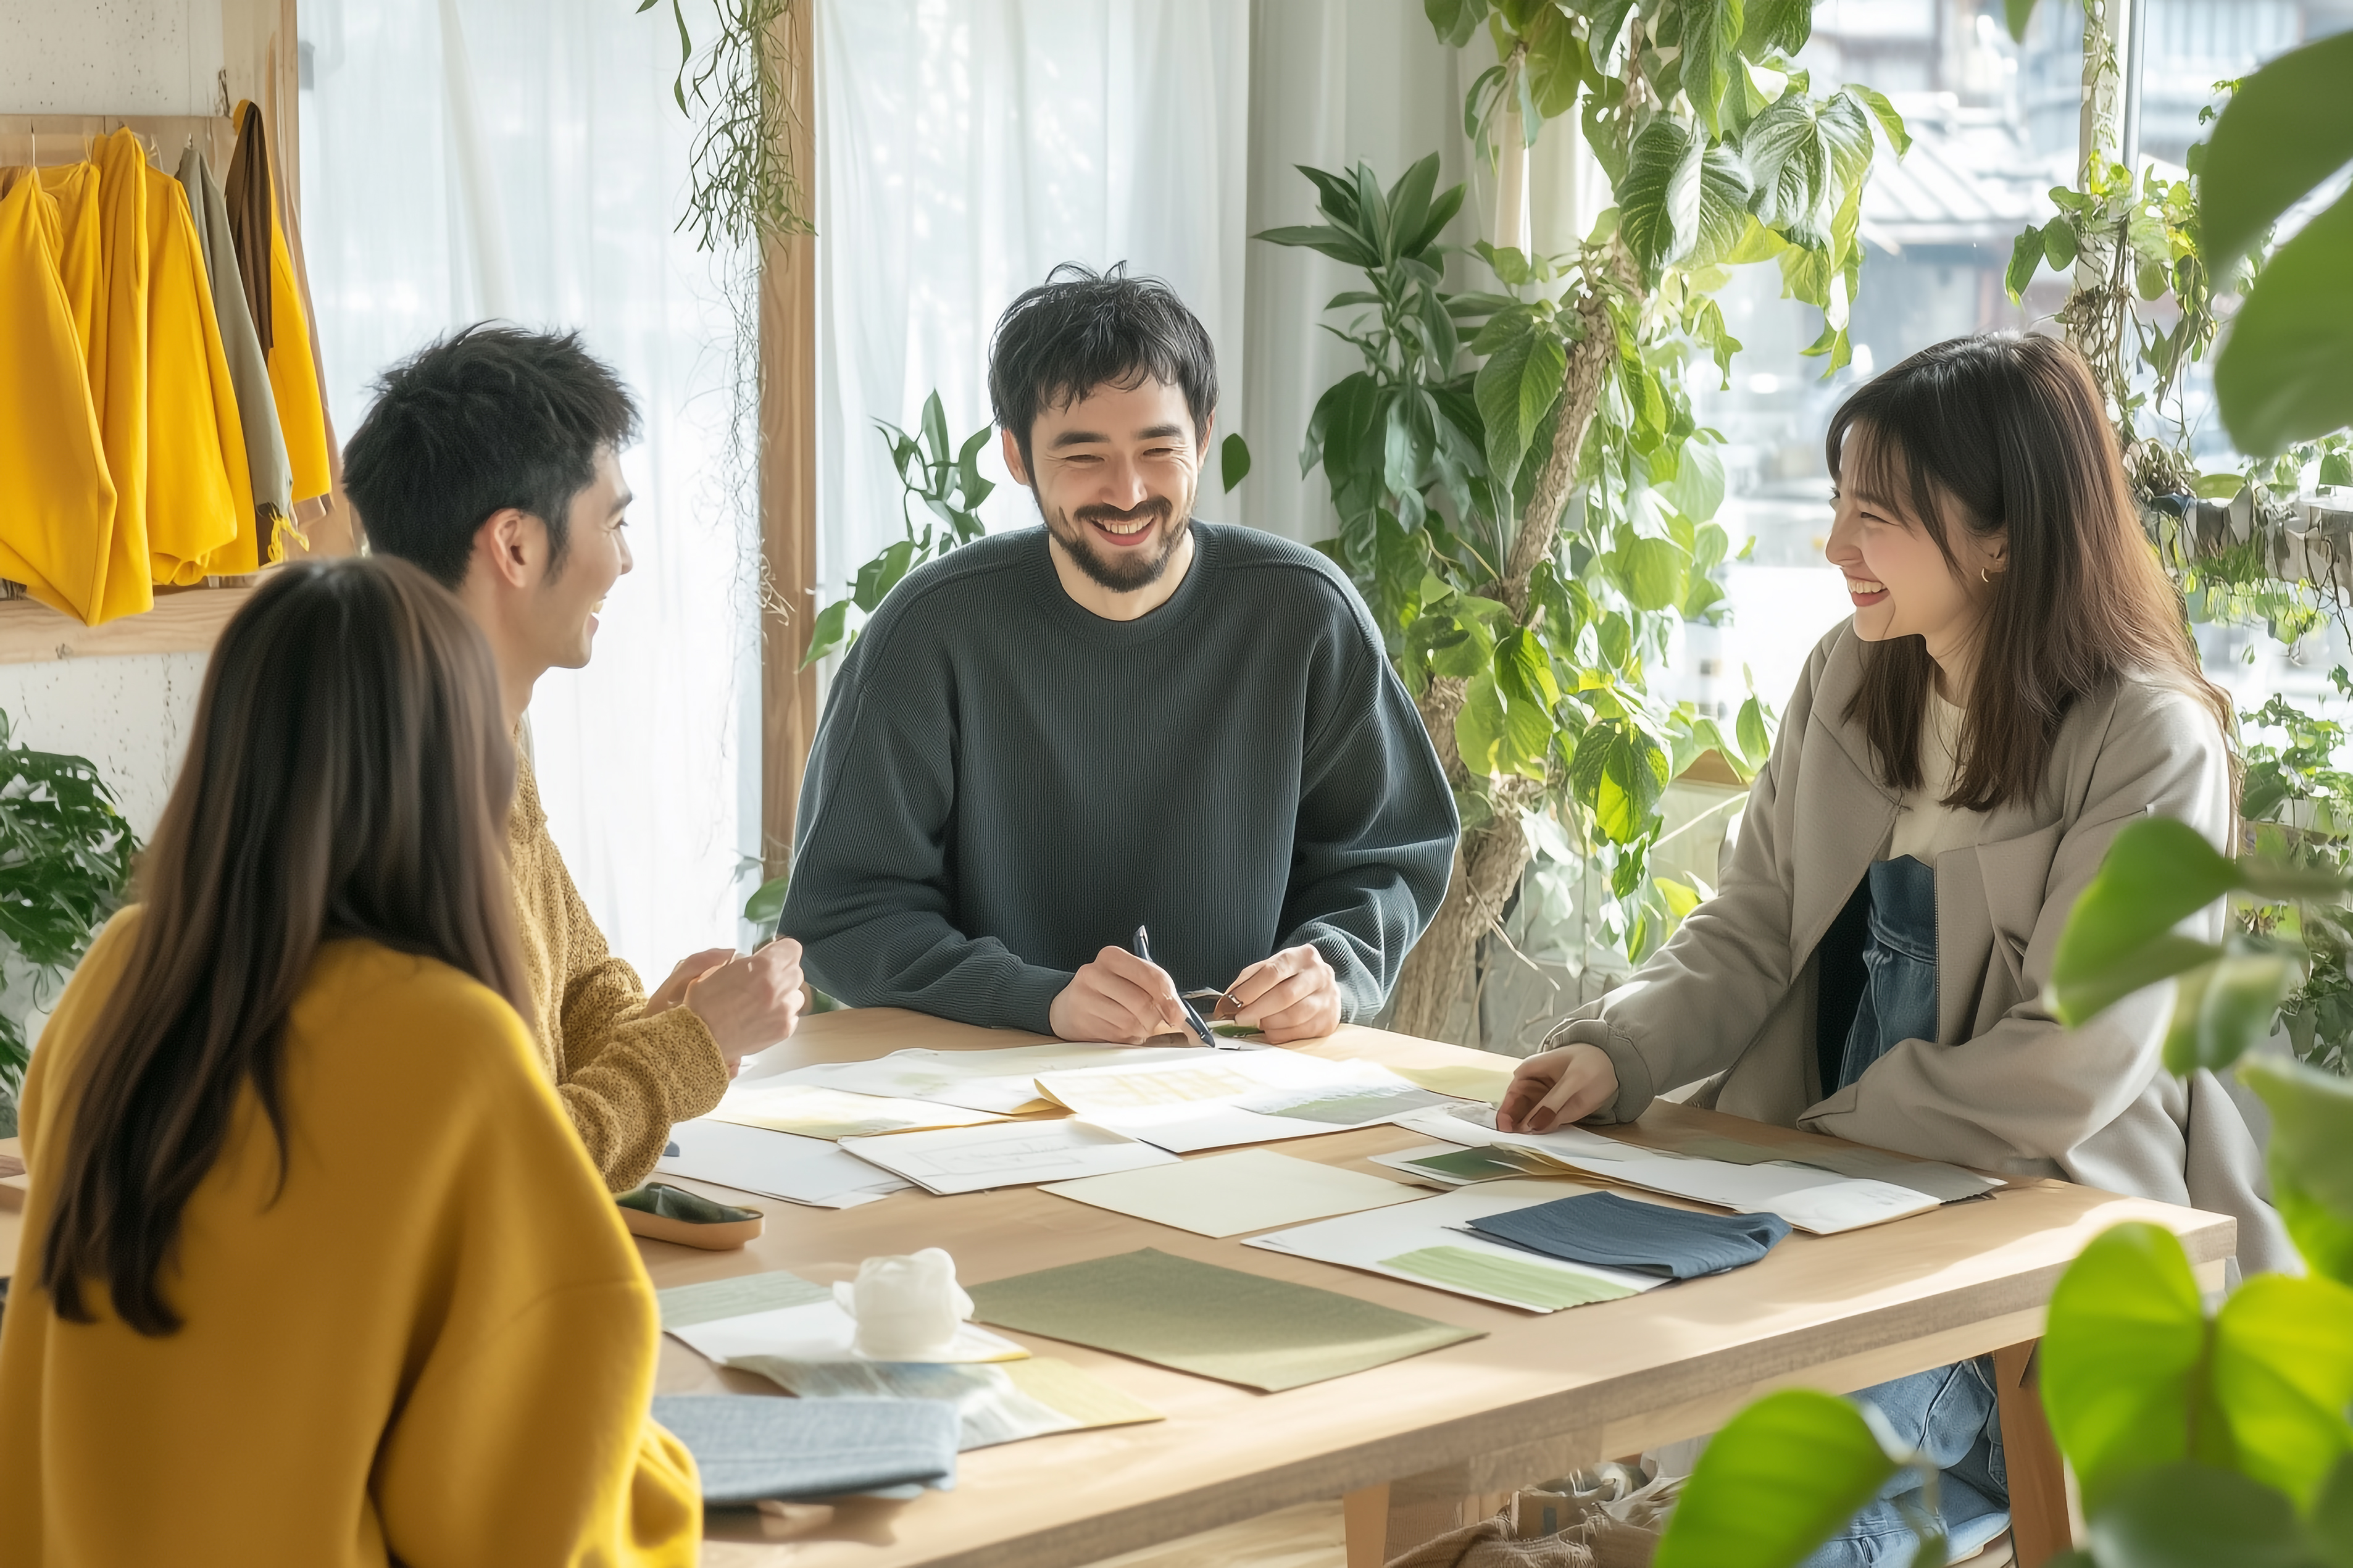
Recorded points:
(1158, 506)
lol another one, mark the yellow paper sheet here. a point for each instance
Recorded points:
(813, 1112)
(1254, 1190)
(1463, 1081)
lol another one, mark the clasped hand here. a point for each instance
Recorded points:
(1293, 995)
(747, 1003)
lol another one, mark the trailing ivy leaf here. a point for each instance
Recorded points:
(2059, 245)
(2286, 128)
(1515, 390)
(2312, 1182)
(1711, 33)
(2282, 1365)
(828, 631)
(2121, 1350)
(1774, 1483)
(1233, 461)
(2280, 375)
(1659, 200)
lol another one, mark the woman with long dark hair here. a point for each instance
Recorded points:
(2016, 684)
(314, 1270)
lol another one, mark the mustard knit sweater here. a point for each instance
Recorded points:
(623, 1078)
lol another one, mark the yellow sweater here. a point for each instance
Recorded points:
(435, 1346)
(623, 1077)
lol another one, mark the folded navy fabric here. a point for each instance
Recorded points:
(749, 1448)
(1644, 1239)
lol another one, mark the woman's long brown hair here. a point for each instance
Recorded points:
(349, 776)
(2010, 433)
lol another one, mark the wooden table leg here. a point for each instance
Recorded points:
(2040, 1525)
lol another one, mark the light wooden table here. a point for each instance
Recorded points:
(1413, 1445)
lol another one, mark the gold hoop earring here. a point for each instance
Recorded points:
(1985, 577)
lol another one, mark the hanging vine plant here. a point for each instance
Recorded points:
(744, 184)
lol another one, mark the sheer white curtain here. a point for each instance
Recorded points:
(464, 159)
(967, 146)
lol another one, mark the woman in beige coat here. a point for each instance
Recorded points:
(2015, 685)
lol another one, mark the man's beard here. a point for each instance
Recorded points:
(1131, 569)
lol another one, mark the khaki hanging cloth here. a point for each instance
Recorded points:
(57, 504)
(199, 498)
(272, 482)
(117, 365)
(277, 321)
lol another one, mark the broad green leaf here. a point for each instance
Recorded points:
(2198, 1516)
(1681, 897)
(2223, 1008)
(1776, 27)
(1526, 740)
(2025, 261)
(1234, 460)
(1890, 122)
(935, 428)
(1659, 198)
(2157, 873)
(1787, 162)
(1455, 20)
(2280, 376)
(2287, 128)
(826, 633)
(2218, 486)
(2311, 1158)
(1479, 727)
(1711, 33)
(1697, 489)
(1724, 194)
(2337, 468)
(877, 576)
(2283, 1375)
(2332, 1517)
(1525, 673)
(1556, 64)
(1772, 1486)
(2059, 245)
(1751, 728)
(1409, 205)
(2089, 990)
(1461, 647)
(2018, 12)
(1515, 390)
(1844, 124)
(767, 906)
(2120, 1351)
(1655, 572)
(1339, 244)
(1620, 773)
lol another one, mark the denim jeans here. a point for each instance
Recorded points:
(1899, 967)
(1950, 1415)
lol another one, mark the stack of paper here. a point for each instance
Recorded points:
(773, 1165)
(754, 1450)
(1456, 1165)
(1427, 1244)
(994, 1404)
(1810, 1198)
(1005, 1154)
(1229, 1098)
(809, 1110)
(1004, 1081)
(1231, 1194)
(782, 1315)
(1216, 1322)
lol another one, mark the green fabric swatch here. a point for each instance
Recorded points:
(1531, 1284)
(1214, 1323)
(684, 1305)
(1473, 1164)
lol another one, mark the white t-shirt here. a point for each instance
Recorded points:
(1925, 826)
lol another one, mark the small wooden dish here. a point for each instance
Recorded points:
(660, 1211)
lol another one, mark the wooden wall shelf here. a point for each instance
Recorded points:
(187, 621)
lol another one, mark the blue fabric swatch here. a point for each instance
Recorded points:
(749, 1448)
(1605, 1229)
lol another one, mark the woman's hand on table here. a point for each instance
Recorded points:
(1563, 1084)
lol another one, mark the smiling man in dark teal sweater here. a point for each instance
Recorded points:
(1050, 738)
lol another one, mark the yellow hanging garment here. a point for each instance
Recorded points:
(199, 497)
(117, 365)
(57, 504)
(75, 186)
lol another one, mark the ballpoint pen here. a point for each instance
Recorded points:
(1192, 1014)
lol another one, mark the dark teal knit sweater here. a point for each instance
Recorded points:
(1005, 783)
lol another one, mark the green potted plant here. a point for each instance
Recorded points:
(65, 862)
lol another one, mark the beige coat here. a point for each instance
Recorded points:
(2003, 1087)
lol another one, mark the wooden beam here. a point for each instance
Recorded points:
(787, 368)
(185, 620)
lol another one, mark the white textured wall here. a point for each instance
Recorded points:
(128, 714)
(109, 56)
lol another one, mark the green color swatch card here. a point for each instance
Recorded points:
(1215, 1322)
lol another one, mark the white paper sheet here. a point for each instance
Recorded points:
(1006, 1154)
(1229, 1193)
(1810, 1198)
(1001, 1081)
(1364, 1240)
(820, 1331)
(811, 1110)
(807, 1171)
(1231, 1099)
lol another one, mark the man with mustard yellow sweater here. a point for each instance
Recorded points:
(490, 459)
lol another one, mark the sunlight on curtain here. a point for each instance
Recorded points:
(967, 146)
(464, 159)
